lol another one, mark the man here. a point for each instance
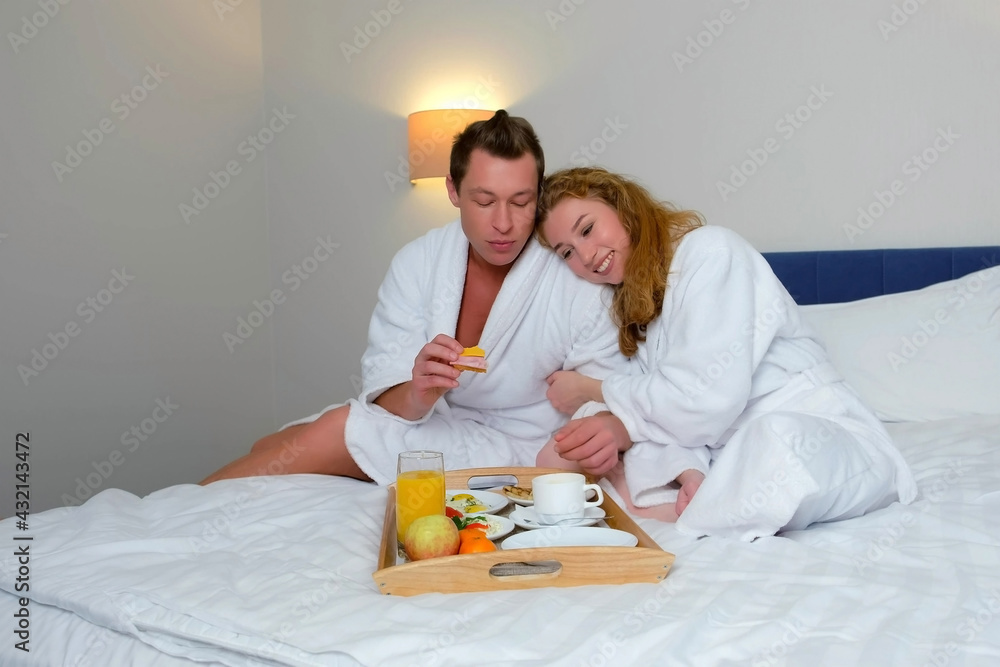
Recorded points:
(481, 281)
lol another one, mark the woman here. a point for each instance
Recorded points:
(741, 426)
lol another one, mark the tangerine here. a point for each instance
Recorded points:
(475, 545)
(467, 534)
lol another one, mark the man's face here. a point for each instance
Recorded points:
(497, 205)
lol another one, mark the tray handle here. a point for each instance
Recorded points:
(459, 479)
(526, 571)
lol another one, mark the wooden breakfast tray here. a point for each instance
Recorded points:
(573, 566)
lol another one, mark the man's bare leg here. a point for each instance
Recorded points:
(318, 447)
(277, 438)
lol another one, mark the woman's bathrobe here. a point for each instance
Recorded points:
(544, 319)
(735, 385)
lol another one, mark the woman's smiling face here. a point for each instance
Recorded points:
(590, 238)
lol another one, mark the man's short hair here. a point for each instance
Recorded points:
(503, 136)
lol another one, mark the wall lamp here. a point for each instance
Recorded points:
(431, 134)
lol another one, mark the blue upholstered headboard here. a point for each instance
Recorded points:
(833, 276)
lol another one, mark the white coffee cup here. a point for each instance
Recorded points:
(562, 495)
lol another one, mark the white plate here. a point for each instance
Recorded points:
(494, 502)
(517, 501)
(570, 537)
(499, 526)
(525, 517)
(523, 502)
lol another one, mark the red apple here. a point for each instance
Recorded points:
(430, 537)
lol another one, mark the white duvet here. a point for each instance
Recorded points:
(278, 571)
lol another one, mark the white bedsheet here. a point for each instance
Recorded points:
(278, 571)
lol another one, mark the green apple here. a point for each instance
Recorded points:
(430, 537)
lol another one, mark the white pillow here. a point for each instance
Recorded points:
(928, 354)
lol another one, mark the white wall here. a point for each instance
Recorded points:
(603, 75)
(597, 74)
(159, 338)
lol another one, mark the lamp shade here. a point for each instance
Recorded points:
(431, 134)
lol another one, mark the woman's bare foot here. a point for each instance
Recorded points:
(666, 512)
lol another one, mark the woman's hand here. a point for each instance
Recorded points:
(432, 376)
(690, 481)
(568, 390)
(593, 443)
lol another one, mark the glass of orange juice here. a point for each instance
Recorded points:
(419, 487)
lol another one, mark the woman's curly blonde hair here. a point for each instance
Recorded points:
(653, 228)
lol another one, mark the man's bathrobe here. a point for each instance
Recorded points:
(544, 319)
(735, 385)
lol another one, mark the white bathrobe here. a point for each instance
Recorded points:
(732, 378)
(544, 319)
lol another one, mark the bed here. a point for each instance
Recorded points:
(278, 570)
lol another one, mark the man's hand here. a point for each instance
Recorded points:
(690, 481)
(593, 442)
(568, 390)
(433, 375)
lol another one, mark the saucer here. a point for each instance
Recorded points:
(570, 537)
(526, 517)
